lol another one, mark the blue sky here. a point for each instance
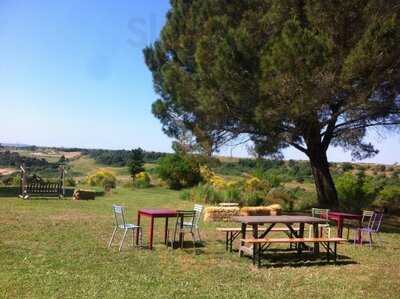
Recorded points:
(72, 74)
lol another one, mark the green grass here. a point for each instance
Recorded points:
(57, 248)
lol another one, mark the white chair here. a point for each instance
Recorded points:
(194, 225)
(320, 213)
(119, 214)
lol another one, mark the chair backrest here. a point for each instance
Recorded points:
(119, 214)
(320, 213)
(185, 216)
(376, 225)
(199, 210)
(368, 219)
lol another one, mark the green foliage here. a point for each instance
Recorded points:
(254, 199)
(119, 158)
(14, 159)
(203, 193)
(282, 197)
(179, 171)
(10, 191)
(389, 198)
(70, 182)
(136, 162)
(13, 179)
(102, 178)
(142, 180)
(285, 73)
(347, 166)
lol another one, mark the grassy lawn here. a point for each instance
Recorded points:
(57, 248)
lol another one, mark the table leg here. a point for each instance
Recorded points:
(181, 232)
(243, 237)
(138, 223)
(340, 227)
(151, 230)
(166, 230)
(316, 235)
(359, 237)
(301, 235)
(256, 252)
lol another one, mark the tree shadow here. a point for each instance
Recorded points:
(278, 258)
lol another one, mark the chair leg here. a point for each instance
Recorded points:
(370, 239)
(198, 234)
(122, 241)
(379, 239)
(194, 240)
(112, 237)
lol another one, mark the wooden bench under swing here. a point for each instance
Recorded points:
(44, 189)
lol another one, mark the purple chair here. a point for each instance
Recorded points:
(373, 221)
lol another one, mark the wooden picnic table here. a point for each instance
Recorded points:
(287, 220)
(155, 213)
(339, 217)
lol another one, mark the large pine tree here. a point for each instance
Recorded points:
(301, 73)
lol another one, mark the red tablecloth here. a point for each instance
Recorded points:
(156, 213)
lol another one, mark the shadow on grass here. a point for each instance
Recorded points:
(279, 260)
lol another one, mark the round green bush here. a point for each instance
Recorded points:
(142, 180)
(179, 171)
(102, 178)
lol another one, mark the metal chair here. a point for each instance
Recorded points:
(119, 215)
(320, 213)
(184, 222)
(195, 225)
(373, 221)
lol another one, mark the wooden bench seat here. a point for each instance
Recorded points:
(233, 232)
(294, 240)
(260, 243)
(238, 229)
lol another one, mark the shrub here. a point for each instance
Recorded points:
(142, 180)
(102, 178)
(389, 198)
(136, 162)
(70, 182)
(347, 166)
(211, 178)
(254, 184)
(233, 194)
(203, 193)
(354, 191)
(254, 199)
(282, 197)
(179, 171)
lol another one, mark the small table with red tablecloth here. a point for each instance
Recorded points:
(155, 213)
(339, 217)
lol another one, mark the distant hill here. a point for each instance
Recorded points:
(18, 145)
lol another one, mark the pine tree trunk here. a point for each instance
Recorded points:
(325, 187)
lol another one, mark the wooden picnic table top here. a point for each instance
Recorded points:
(286, 219)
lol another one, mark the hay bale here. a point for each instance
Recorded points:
(228, 204)
(220, 213)
(84, 195)
(271, 210)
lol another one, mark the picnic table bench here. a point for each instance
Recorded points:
(233, 232)
(262, 244)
